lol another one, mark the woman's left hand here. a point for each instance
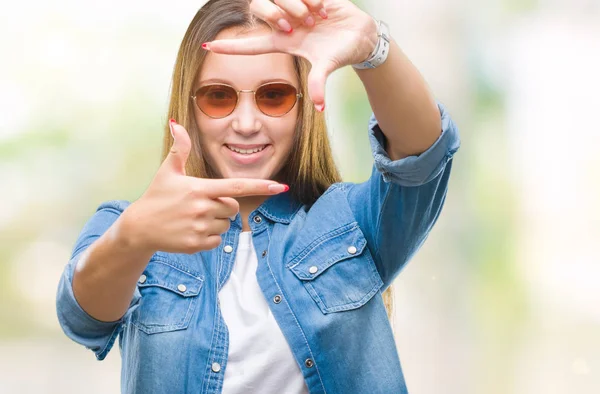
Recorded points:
(340, 36)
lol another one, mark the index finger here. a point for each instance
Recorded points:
(255, 45)
(242, 187)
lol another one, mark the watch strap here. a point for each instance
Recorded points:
(381, 51)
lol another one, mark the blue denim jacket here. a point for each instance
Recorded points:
(322, 270)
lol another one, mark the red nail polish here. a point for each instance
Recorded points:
(320, 108)
(205, 46)
(171, 123)
(291, 31)
(286, 188)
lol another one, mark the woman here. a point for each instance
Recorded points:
(221, 277)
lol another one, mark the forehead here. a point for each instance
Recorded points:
(247, 71)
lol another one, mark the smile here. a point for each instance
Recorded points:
(246, 151)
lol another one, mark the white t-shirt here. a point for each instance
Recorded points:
(260, 359)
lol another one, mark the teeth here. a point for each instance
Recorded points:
(246, 151)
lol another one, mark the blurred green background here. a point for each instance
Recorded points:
(502, 298)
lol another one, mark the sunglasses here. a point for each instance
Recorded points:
(272, 99)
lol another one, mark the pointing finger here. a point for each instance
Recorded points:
(255, 45)
(241, 187)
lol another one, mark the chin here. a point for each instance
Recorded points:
(253, 174)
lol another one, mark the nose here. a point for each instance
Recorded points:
(246, 115)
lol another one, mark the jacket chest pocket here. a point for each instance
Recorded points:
(337, 270)
(169, 297)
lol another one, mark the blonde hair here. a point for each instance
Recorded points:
(310, 169)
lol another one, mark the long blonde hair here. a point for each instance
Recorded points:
(310, 168)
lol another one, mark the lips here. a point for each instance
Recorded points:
(247, 154)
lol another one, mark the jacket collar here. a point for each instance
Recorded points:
(280, 208)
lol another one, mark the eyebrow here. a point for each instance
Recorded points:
(262, 82)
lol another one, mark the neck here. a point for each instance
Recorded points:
(247, 205)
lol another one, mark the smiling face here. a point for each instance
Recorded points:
(246, 143)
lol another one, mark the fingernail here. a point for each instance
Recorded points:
(278, 188)
(309, 21)
(320, 108)
(171, 122)
(284, 25)
(323, 13)
(205, 46)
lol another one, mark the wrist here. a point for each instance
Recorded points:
(370, 39)
(128, 235)
(381, 51)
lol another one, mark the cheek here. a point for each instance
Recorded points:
(209, 139)
(209, 131)
(287, 128)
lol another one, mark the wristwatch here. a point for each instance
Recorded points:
(381, 51)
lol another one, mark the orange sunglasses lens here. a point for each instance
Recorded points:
(273, 99)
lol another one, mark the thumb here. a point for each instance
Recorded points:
(180, 150)
(317, 79)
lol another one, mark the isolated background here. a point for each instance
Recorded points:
(504, 296)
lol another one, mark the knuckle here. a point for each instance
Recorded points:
(315, 4)
(200, 227)
(237, 187)
(254, 6)
(295, 11)
(213, 242)
(302, 13)
(273, 15)
(190, 244)
(195, 189)
(201, 209)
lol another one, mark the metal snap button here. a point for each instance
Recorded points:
(142, 279)
(277, 299)
(216, 367)
(264, 253)
(257, 219)
(352, 250)
(228, 249)
(309, 363)
(313, 269)
(181, 288)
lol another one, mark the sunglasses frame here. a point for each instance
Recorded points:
(298, 97)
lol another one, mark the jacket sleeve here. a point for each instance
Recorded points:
(77, 324)
(402, 199)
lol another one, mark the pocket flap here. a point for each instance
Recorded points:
(160, 273)
(340, 244)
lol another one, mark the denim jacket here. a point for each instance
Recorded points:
(322, 270)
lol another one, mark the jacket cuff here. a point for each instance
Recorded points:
(420, 169)
(81, 327)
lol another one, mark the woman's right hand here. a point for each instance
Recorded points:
(183, 214)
